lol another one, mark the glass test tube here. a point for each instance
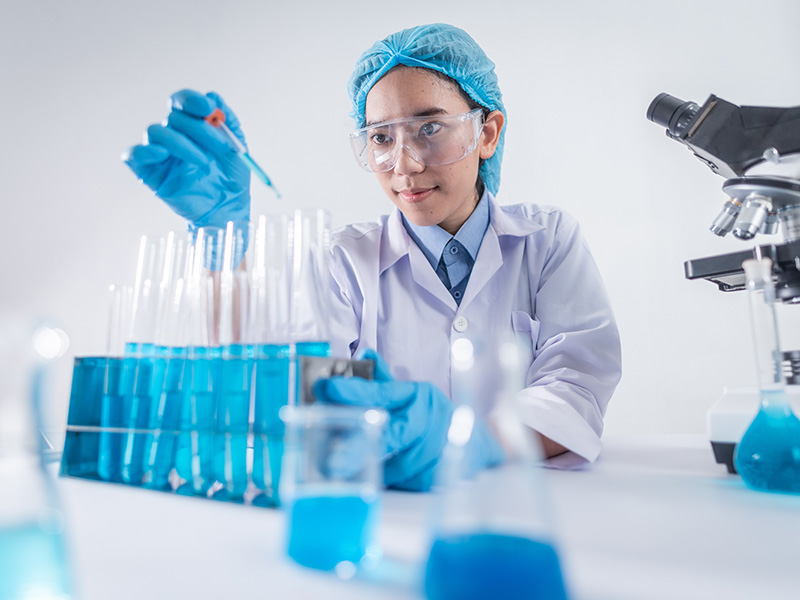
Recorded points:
(270, 277)
(170, 373)
(194, 459)
(140, 372)
(112, 421)
(233, 398)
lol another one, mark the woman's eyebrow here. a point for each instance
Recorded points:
(427, 112)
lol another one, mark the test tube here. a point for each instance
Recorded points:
(109, 458)
(270, 280)
(170, 373)
(233, 397)
(142, 370)
(310, 285)
(194, 453)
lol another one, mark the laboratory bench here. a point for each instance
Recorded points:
(655, 518)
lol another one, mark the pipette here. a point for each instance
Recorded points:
(217, 119)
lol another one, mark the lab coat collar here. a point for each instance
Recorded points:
(396, 241)
(510, 221)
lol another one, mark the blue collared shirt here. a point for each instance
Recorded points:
(452, 257)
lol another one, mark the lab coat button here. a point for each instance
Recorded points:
(461, 324)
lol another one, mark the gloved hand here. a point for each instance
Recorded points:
(419, 418)
(190, 164)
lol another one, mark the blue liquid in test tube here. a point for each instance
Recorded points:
(194, 458)
(233, 420)
(314, 348)
(81, 448)
(164, 420)
(155, 406)
(109, 460)
(271, 393)
(137, 401)
(488, 565)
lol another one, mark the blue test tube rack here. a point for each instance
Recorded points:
(191, 421)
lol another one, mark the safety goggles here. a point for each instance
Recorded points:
(431, 141)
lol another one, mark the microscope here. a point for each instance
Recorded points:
(757, 150)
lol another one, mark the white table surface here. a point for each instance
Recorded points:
(654, 518)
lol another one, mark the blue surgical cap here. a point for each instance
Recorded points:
(443, 48)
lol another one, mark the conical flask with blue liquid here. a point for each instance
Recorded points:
(768, 455)
(492, 529)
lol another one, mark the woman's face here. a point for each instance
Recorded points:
(444, 195)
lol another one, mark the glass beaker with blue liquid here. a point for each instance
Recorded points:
(768, 455)
(330, 486)
(491, 529)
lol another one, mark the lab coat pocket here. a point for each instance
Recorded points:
(526, 332)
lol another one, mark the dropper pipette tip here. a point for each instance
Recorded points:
(217, 119)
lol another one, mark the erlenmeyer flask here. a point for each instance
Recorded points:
(768, 455)
(33, 561)
(492, 531)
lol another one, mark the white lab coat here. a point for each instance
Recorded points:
(534, 278)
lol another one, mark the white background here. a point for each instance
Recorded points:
(81, 80)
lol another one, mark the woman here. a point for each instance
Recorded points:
(448, 263)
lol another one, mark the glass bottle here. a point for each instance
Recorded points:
(32, 554)
(768, 455)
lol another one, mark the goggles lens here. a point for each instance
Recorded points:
(431, 141)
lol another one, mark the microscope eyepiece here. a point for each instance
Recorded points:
(672, 113)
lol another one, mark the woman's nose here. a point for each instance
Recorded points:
(406, 163)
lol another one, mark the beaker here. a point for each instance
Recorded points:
(33, 557)
(330, 485)
(768, 455)
(491, 529)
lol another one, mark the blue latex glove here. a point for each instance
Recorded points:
(190, 164)
(419, 417)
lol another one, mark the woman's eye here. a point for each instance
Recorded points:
(429, 128)
(379, 138)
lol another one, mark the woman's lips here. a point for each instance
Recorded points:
(415, 194)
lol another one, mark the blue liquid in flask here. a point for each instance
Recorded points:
(327, 530)
(33, 564)
(768, 456)
(488, 565)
